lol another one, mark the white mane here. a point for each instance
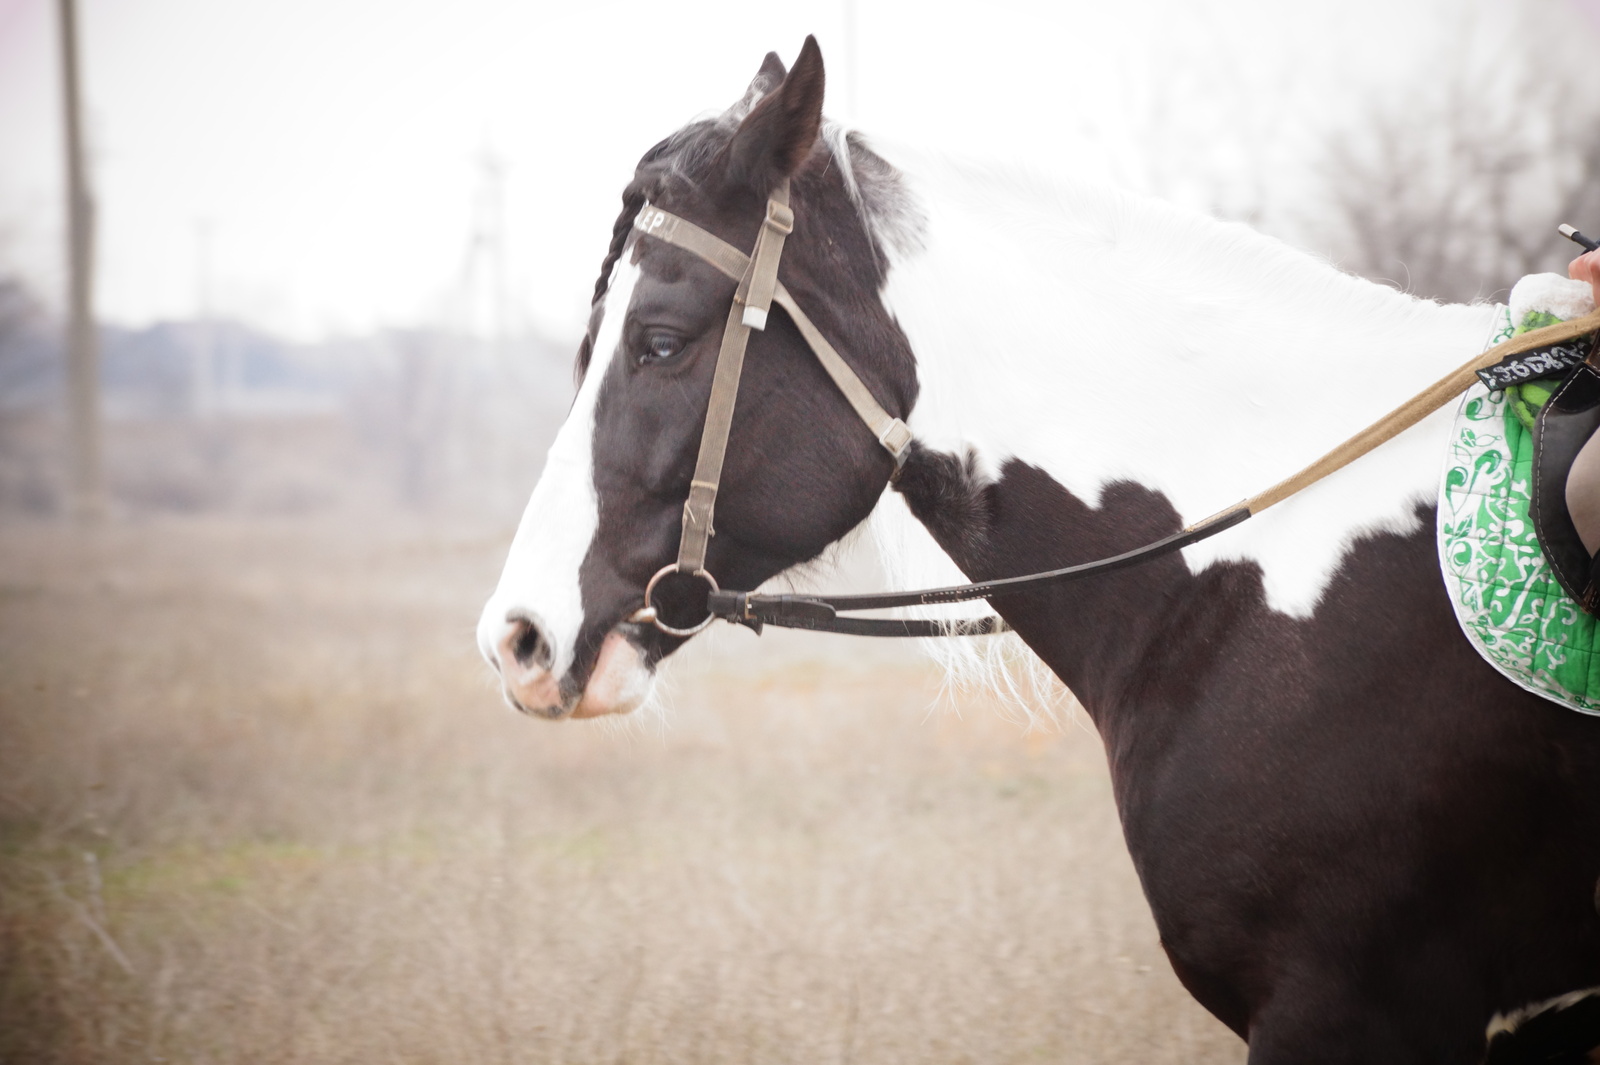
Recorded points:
(1103, 336)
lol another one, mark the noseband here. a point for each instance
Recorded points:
(759, 288)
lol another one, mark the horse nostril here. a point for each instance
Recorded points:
(528, 644)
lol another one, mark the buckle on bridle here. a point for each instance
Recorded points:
(780, 216)
(649, 615)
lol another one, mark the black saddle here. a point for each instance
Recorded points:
(1566, 482)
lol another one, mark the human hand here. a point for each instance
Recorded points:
(1586, 267)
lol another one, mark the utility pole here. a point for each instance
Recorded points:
(87, 486)
(486, 279)
(487, 318)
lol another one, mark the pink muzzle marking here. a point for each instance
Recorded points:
(619, 683)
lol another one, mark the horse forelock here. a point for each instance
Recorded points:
(686, 161)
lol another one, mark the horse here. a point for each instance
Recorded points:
(1359, 842)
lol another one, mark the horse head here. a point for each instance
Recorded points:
(800, 469)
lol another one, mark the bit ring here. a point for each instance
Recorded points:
(648, 614)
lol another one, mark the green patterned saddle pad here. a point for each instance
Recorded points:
(1504, 593)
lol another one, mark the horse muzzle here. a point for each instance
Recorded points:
(619, 682)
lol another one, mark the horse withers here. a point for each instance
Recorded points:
(1360, 843)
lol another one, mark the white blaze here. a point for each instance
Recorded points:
(540, 580)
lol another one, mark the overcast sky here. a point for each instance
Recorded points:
(333, 148)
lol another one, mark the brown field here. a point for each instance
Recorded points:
(260, 803)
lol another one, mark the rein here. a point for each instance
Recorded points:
(759, 288)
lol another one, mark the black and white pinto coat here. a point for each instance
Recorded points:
(1359, 841)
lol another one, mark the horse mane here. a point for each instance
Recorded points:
(1104, 337)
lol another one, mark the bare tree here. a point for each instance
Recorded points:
(1452, 188)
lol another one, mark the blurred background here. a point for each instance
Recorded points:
(258, 798)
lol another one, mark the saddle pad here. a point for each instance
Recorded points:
(1503, 591)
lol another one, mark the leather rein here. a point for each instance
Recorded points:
(759, 288)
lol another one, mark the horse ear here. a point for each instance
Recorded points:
(780, 130)
(769, 77)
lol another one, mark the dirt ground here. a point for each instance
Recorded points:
(259, 802)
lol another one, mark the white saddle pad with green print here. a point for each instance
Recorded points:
(1505, 596)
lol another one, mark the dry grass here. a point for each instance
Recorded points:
(258, 803)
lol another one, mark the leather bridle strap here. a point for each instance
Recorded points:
(751, 301)
(786, 610)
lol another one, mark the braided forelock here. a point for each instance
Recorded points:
(678, 157)
(633, 199)
(644, 184)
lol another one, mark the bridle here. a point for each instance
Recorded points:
(759, 288)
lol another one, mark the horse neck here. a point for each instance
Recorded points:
(1099, 338)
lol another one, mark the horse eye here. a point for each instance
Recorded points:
(660, 346)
